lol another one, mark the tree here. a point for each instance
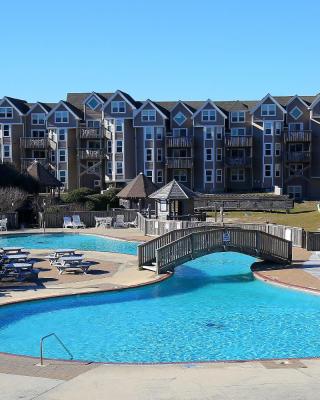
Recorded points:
(11, 198)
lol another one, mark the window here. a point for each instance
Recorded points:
(149, 174)
(62, 176)
(218, 132)
(93, 167)
(295, 192)
(268, 110)
(296, 113)
(218, 154)
(159, 133)
(38, 118)
(109, 146)
(295, 169)
(119, 167)
(61, 116)
(208, 115)
(38, 133)
(159, 176)
(119, 146)
(277, 170)
(237, 175)
(6, 130)
(179, 118)
(62, 155)
(93, 123)
(209, 175)
(209, 132)
(109, 168)
(6, 112)
(159, 154)
(119, 125)
(277, 149)
(267, 149)
(296, 126)
(268, 128)
(278, 128)
(149, 155)
(267, 170)
(237, 116)
(208, 154)
(36, 154)
(53, 157)
(163, 206)
(218, 175)
(62, 134)
(7, 151)
(148, 115)
(93, 103)
(148, 132)
(96, 183)
(180, 175)
(180, 132)
(118, 107)
(238, 131)
(93, 144)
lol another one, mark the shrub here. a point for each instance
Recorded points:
(77, 195)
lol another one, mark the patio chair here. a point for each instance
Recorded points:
(99, 221)
(107, 222)
(119, 222)
(134, 223)
(77, 223)
(3, 224)
(67, 222)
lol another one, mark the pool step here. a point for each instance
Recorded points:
(150, 267)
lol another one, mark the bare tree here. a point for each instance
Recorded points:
(11, 198)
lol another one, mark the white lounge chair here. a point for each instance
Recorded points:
(134, 223)
(67, 222)
(77, 223)
(108, 222)
(3, 224)
(119, 222)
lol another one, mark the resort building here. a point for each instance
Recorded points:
(102, 139)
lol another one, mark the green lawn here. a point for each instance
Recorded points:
(304, 215)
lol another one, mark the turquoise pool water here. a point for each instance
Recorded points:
(211, 309)
(69, 240)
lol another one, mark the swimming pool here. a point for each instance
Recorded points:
(211, 309)
(69, 240)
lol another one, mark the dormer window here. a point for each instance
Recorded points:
(179, 118)
(93, 103)
(38, 118)
(6, 112)
(237, 116)
(118, 107)
(61, 117)
(296, 113)
(268, 110)
(148, 115)
(208, 115)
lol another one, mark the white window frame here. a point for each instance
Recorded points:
(219, 133)
(184, 120)
(277, 149)
(219, 154)
(265, 170)
(208, 154)
(36, 118)
(158, 132)
(109, 167)
(277, 170)
(266, 110)
(117, 167)
(62, 131)
(208, 177)
(149, 115)
(6, 128)
(97, 103)
(120, 144)
(209, 115)
(148, 151)
(277, 128)
(63, 177)
(65, 155)
(6, 113)
(238, 116)
(149, 174)
(59, 117)
(219, 175)
(148, 130)
(9, 150)
(159, 154)
(119, 122)
(291, 115)
(109, 146)
(160, 175)
(209, 132)
(268, 125)
(116, 106)
(267, 147)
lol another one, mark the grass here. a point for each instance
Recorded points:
(303, 215)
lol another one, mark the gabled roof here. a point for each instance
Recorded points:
(213, 105)
(76, 99)
(126, 97)
(315, 101)
(44, 107)
(189, 109)
(173, 191)
(238, 106)
(20, 105)
(139, 188)
(265, 98)
(163, 112)
(74, 111)
(42, 175)
(94, 94)
(299, 98)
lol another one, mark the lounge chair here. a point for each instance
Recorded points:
(108, 222)
(119, 222)
(77, 223)
(134, 223)
(3, 224)
(67, 222)
(99, 221)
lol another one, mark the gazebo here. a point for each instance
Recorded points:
(47, 182)
(174, 201)
(136, 192)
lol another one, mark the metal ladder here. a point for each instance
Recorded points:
(59, 341)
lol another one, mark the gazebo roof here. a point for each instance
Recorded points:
(139, 188)
(42, 175)
(173, 191)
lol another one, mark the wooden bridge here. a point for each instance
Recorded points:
(164, 253)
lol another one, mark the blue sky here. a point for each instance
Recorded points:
(164, 50)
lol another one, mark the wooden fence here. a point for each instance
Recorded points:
(55, 220)
(197, 244)
(313, 241)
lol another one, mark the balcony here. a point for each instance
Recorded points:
(179, 141)
(179, 163)
(26, 162)
(298, 156)
(92, 154)
(239, 161)
(34, 143)
(90, 133)
(298, 136)
(238, 141)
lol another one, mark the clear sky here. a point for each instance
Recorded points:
(163, 50)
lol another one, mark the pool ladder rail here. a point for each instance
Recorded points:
(59, 341)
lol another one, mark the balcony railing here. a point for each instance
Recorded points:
(34, 143)
(298, 136)
(238, 141)
(90, 133)
(186, 162)
(298, 156)
(179, 142)
(92, 154)
(239, 161)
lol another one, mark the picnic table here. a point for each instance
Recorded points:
(71, 263)
(22, 257)
(53, 257)
(19, 271)
(12, 249)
